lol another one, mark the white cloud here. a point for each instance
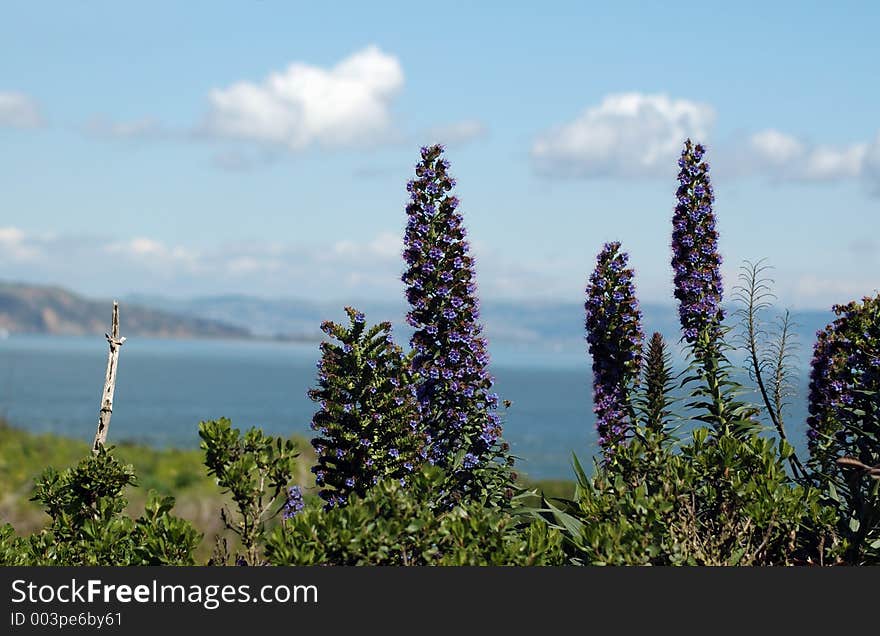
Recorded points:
(629, 134)
(304, 105)
(827, 163)
(457, 133)
(641, 135)
(19, 111)
(775, 147)
(16, 247)
(784, 157)
(106, 266)
(871, 166)
(384, 246)
(822, 291)
(368, 267)
(148, 249)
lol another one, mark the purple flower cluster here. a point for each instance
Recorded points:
(614, 335)
(294, 504)
(368, 423)
(450, 359)
(695, 257)
(844, 395)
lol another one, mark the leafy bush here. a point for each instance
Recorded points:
(87, 525)
(396, 525)
(11, 550)
(256, 470)
(368, 421)
(844, 426)
(719, 501)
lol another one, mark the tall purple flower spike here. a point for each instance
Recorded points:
(695, 257)
(457, 407)
(614, 335)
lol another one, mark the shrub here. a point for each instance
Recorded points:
(844, 426)
(719, 501)
(396, 525)
(87, 525)
(368, 421)
(256, 470)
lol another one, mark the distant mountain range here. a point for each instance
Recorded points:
(552, 324)
(54, 310)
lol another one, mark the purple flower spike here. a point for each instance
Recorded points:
(614, 336)
(451, 359)
(695, 257)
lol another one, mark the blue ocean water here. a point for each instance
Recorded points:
(165, 387)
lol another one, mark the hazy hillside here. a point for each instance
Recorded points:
(53, 310)
(555, 324)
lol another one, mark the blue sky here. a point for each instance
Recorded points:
(263, 147)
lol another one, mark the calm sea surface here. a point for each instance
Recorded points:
(165, 387)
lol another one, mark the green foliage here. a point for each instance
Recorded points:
(721, 500)
(721, 497)
(368, 421)
(653, 405)
(844, 433)
(397, 525)
(769, 346)
(169, 471)
(714, 394)
(256, 470)
(87, 525)
(11, 550)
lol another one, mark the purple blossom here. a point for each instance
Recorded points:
(695, 258)
(614, 336)
(453, 379)
(844, 385)
(294, 504)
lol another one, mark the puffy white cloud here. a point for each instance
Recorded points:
(640, 135)
(784, 157)
(19, 111)
(775, 147)
(629, 134)
(304, 105)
